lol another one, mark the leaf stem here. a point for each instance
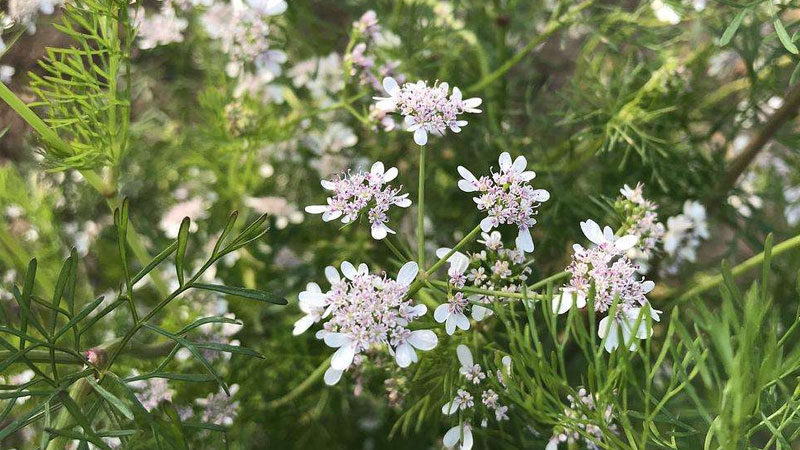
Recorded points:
(421, 210)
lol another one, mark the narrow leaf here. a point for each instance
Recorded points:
(183, 239)
(733, 27)
(110, 398)
(784, 36)
(243, 292)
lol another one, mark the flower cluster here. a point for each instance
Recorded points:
(578, 414)
(641, 220)
(242, 29)
(355, 192)
(479, 402)
(363, 60)
(684, 233)
(494, 268)
(161, 28)
(606, 270)
(365, 312)
(427, 109)
(507, 197)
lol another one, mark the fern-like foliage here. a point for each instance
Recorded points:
(85, 89)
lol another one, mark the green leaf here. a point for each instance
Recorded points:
(243, 292)
(78, 317)
(784, 36)
(77, 414)
(78, 436)
(217, 347)
(228, 227)
(183, 239)
(193, 350)
(189, 377)
(733, 27)
(204, 426)
(205, 320)
(61, 284)
(155, 262)
(110, 398)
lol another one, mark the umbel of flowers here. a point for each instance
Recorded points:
(427, 109)
(618, 292)
(365, 312)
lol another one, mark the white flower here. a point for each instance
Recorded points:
(268, 7)
(458, 434)
(619, 330)
(507, 197)
(463, 400)
(356, 192)
(427, 109)
(6, 72)
(452, 313)
(665, 13)
(563, 301)
(471, 371)
(194, 209)
(162, 28)
(365, 311)
(592, 231)
(313, 303)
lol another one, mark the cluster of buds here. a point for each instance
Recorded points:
(640, 220)
(581, 413)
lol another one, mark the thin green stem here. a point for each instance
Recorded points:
(551, 28)
(421, 210)
(302, 387)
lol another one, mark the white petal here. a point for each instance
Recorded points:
(441, 313)
(472, 103)
(519, 164)
(452, 436)
(407, 273)
(302, 325)
(552, 444)
(349, 270)
(420, 136)
(626, 242)
(336, 339)
(466, 186)
(390, 174)
(456, 94)
(332, 275)
(404, 354)
(313, 298)
(377, 169)
(379, 232)
(541, 195)
(466, 444)
(563, 302)
(450, 408)
(390, 86)
(479, 312)
(343, 357)
(329, 185)
(423, 339)
(450, 324)
(316, 209)
(487, 224)
(505, 161)
(462, 321)
(466, 174)
(464, 356)
(387, 104)
(592, 231)
(332, 376)
(525, 240)
(648, 286)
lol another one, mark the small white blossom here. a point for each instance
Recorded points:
(427, 109)
(459, 433)
(507, 197)
(356, 192)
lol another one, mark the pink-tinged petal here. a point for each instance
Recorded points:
(423, 339)
(464, 356)
(343, 357)
(408, 273)
(505, 161)
(328, 216)
(349, 270)
(316, 209)
(390, 86)
(592, 231)
(420, 136)
(626, 242)
(466, 186)
(441, 313)
(332, 376)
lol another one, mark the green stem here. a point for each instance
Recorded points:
(302, 387)
(493, 293)
(421, 210)
(751, 263)
(552, 27)
(417, 285)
